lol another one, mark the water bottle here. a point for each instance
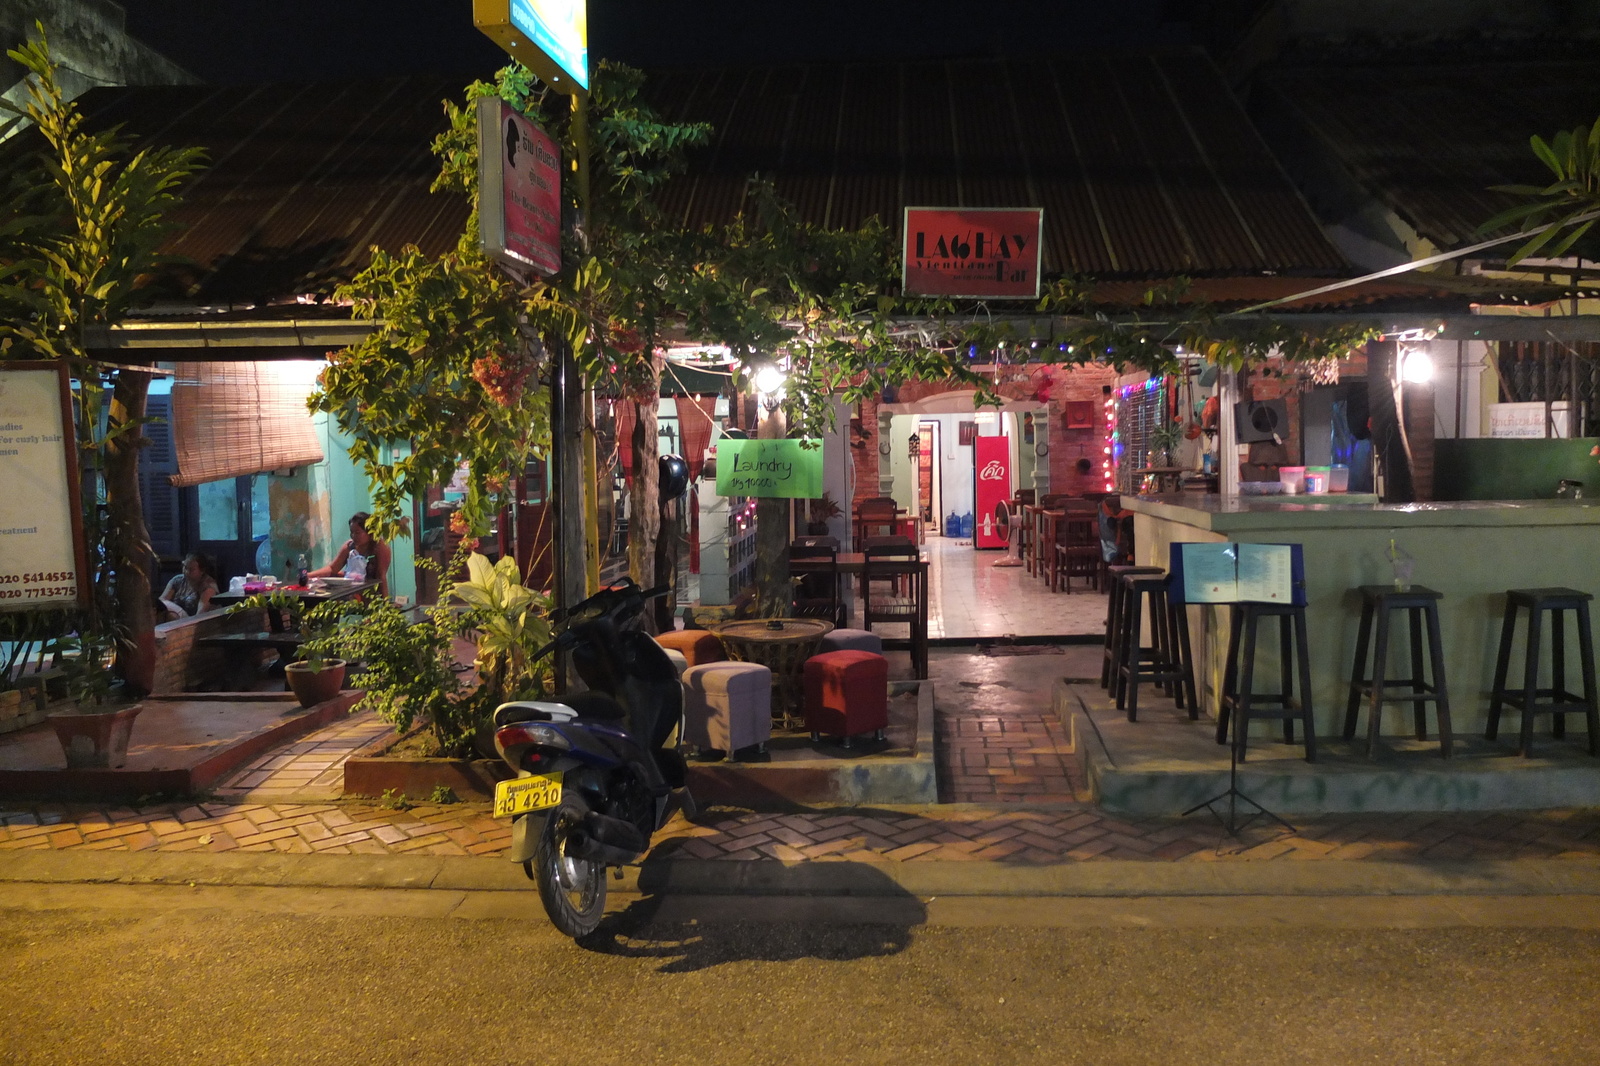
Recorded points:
(302, 569)
(966, 524)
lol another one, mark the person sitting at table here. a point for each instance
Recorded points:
(363, 557)
(190, 592)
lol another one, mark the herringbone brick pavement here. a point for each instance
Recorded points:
(948, 833)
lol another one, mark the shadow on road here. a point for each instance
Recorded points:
(767, 911)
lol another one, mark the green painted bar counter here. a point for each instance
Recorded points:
(1472, 552)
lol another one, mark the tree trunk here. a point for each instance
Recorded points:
(667, 564)
(129, 540)
(774, 593)
(644, 502)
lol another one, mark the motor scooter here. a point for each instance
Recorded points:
(595, 779)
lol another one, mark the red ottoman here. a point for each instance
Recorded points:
(699, 646)
(847, 693)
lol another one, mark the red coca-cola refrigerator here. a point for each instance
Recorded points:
(992, 466)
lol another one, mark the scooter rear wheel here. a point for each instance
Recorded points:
(573, 890)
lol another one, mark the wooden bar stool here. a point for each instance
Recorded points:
(1111, 657)
(1380, 601)
(1166, 661)
(1529, 699)
(1240, 700)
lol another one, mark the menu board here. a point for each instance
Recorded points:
(42, 561)
(1238, 573)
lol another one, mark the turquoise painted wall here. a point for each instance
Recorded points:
(336, 489)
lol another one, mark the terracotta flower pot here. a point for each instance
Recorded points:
(312, 687)
(95, 739)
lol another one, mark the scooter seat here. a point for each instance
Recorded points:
(512, 713)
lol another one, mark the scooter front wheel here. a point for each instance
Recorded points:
(573, 890)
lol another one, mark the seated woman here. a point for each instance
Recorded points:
(190, 592)
(363, 557)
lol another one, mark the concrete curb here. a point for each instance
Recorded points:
(689, 877)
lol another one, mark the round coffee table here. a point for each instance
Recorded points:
(782, 645)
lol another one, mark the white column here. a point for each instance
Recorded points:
(1227, 436)
(1041, 454)
(885, 444)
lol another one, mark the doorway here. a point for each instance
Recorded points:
(928, 502)
(227, 521)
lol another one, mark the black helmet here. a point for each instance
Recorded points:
(674, 477)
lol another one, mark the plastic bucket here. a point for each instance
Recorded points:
(1338, 479)
(1293, 478)
(1317, 479)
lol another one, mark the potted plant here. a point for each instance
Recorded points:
(1163, 439)
(818, 513)
(94, 733)
(408, 669)
(315, 677)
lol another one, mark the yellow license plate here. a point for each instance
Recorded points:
(526, 794)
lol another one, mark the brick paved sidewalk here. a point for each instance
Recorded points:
(975, 834)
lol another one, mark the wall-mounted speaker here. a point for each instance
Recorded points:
(1261, 420)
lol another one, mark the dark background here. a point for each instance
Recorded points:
(309, 40)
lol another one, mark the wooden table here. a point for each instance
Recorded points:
(856, 563)
(309, 597)
(1166, 478)
(782, 645)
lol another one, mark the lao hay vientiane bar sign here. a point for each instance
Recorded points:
(786, 468)
(973, 252)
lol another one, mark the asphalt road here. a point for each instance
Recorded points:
(132, 975)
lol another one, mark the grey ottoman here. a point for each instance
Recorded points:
(727, 706)
(851, 640)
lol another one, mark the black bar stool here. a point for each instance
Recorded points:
(1240, 700)
(1419, 603)
(1111, 657)
(1167, 660)
(1529, 699)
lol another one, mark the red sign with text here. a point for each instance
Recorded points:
(519, 176)
(975, 252)
(992, 459)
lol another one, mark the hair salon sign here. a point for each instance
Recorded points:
(973, 252)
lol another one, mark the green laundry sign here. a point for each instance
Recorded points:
(788, 468)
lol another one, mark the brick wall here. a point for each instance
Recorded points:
(1057, 385)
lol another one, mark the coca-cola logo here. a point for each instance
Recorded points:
(993, 470)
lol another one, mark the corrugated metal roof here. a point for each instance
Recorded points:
(1144, 164)
(302, 180)
(1419, 292)
(1428, 140)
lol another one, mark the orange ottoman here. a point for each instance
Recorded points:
(847, 693)
(699, 646)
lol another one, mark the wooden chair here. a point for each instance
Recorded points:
(904, 604)
(816, 582)
(1076, 549)
(876, 517)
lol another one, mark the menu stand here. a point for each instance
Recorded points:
(1234, 797)
(1243, 576)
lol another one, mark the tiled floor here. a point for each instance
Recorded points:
(969, 596)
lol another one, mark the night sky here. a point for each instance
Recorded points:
(309, 40)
